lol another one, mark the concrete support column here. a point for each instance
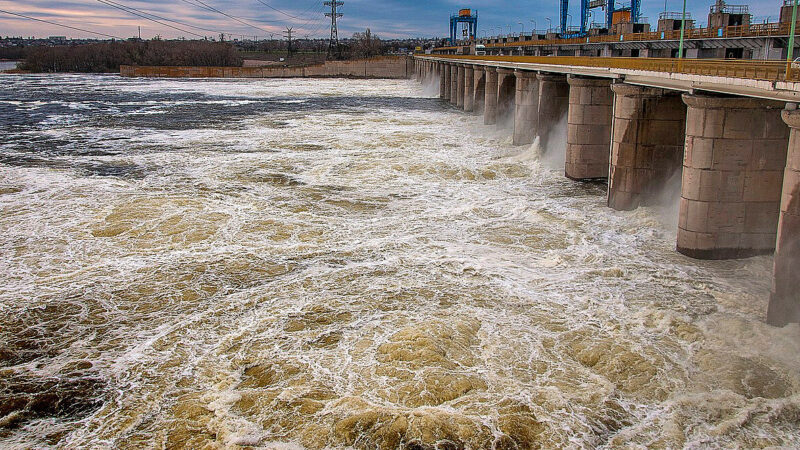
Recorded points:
(588, 128)
(784, 303)
(490, 97)
(732, 177)
(479, 89)
(646, 145)
(445, 85)
(526, 116)
(469, 87)
(460, 86)
(506, 93)
(553, 106)
(453, 84)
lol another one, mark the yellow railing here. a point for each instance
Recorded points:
(749, 69)
(754, 30)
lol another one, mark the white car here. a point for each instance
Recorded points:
(796, 63)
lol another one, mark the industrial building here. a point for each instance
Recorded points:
(729, 33)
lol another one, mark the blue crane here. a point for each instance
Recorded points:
(588, 5)
(468, 17)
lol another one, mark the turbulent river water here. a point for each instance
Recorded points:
(333, 263)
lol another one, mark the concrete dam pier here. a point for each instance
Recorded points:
(734, 142)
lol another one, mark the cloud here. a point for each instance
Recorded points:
(387, 18)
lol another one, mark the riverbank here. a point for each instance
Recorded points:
(395, 67)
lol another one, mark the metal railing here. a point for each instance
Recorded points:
(674, 16)
(753, 30)
(748, 69)
(730, 9)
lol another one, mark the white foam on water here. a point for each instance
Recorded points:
(371, 276)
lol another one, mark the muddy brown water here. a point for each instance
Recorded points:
(340, 263)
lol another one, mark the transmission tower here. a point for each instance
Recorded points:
(333, 46)
(288, 34)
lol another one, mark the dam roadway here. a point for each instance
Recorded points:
(730, 127)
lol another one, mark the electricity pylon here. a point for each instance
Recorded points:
(333, 46)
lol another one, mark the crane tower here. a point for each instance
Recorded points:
(587, 5)
(465, 16)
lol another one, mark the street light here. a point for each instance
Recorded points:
(549, 24)
(509, 29)
(522, 26)
(534, 27)
(790, 52)
(683, 31)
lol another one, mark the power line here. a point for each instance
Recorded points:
(60, 25)
(278, 10)
(315, 18)
(320, 24)
(123, 8)
(112, 3)
(314, 5)
(211, 8)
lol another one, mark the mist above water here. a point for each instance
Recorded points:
(334, 263)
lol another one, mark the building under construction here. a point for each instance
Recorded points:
(729, 33)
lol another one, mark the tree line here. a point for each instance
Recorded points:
(107, 57)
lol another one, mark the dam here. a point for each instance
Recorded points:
(729, 134)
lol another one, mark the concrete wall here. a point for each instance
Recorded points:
(383, 67)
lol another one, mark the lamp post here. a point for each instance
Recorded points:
(549, 24)
(534, 27)
(569, 22)
(522, 26)
(683, 33)
(790, 50)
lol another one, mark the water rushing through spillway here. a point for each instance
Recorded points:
(333, 263)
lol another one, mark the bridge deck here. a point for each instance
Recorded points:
(763, 79)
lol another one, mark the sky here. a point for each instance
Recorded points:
(269, 18)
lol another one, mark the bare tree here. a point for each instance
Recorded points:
(365, 45)
(108, 56)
